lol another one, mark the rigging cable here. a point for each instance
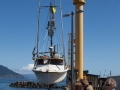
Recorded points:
(43, 41)
(62, 33)
(59, 40)
(47, 44)
(37, 30)
(43, 29)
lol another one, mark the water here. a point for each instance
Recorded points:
(4, 84)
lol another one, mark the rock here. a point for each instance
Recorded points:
(32, 84)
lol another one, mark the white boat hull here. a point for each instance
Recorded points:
(50, 77)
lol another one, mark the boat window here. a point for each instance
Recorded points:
(56, 62)
(42, 62)
(39, 62)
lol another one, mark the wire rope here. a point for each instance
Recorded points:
(43, 29)
(62, 32)
(47, 44)
(43, 41)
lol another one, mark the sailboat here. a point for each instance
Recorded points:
(50, 64)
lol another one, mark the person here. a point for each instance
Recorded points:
(110, 84)
(90, 86)
(85, 84)
(75, 86)
(78, 86)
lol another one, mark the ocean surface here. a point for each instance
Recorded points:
(4, 84)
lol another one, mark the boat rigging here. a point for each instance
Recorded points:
(50, 62)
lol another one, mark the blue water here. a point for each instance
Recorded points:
(4, 84)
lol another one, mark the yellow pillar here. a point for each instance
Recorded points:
(79, 37)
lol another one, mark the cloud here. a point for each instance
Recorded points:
(29, 67)
(25, 69)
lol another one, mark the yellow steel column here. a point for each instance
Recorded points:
(79, 37)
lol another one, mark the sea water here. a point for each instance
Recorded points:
(4, 84)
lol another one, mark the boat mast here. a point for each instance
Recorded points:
(51, 27)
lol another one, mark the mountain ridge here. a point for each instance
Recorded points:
(7, 73)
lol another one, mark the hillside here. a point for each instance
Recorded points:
(7, 73)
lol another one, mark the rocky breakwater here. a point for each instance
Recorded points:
(31, 84)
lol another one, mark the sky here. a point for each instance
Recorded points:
(101, 34)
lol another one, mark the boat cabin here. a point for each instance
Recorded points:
(47, 60)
